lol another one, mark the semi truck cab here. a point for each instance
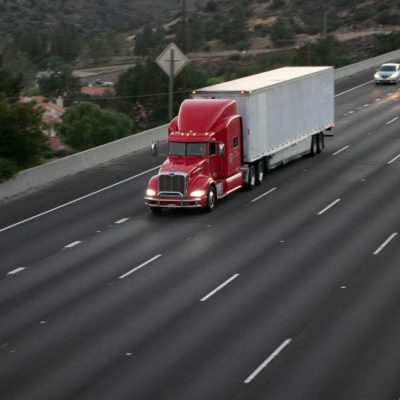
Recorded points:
(204, 157)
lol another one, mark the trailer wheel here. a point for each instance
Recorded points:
(250, 185)
(314, 146)
(260, 172)
(211, 199)
(319, 142)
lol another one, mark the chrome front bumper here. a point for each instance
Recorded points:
(167, 202)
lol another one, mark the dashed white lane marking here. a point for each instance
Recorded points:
(268, 360)
(264, 194)
(365, 105)
(227, 282)
(16, 271)
(389, 94)
(121, 221)
(351, 112)
(354, 88)
(392, 120)
(377, 99)
(384, 244)
(140, 266)
(79, 199)
(73, 244)
(341, 150)
(394, 159)
(329, 207)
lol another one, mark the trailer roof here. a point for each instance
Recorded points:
(265, 79)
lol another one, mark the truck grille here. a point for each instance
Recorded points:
(170, 184)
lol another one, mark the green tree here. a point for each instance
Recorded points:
(327, 51)
(386, 43)
(59, 83)
(65, 42)
(147, 85)
(87, 125)
(22, 142)
(235, 29)
(33, 44)
(282, 33)
(12, 59)
(149, 41)
(211, 6)
(10, 86)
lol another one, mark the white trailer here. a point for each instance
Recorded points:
(284, 112)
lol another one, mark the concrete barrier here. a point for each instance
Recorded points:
(352, 69)
(52, 171)
(44, 174)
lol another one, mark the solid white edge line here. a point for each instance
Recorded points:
(268, 360)
(140, 266)
(354, 88)
(385, 243)
(227, 282)
(15, 271)
(73, 244)
(265, 194)
(328, 207)
(342, 149)
(394, 159)
(392, 120)
(79, 199)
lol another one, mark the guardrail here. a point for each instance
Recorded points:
(352, 69)
(52, 171)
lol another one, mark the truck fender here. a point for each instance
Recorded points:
(201, 182)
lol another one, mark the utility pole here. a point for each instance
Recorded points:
(184, 41)
(325, 26)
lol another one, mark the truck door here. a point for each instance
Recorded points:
(213, 159)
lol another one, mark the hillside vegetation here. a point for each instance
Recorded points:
(208, 20)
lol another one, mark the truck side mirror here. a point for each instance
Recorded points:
(221, 149)
(154, 149)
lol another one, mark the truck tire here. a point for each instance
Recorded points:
(250, 185)
(314, 146)
(319, 138)
(211, 199)
(260, 173)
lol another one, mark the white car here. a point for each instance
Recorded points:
(388, 73)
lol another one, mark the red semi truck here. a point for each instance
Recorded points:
(227, 136)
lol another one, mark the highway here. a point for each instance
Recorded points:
(286, 292)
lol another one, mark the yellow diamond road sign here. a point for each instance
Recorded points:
(172, 60)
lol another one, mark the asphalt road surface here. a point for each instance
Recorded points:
(287, 292)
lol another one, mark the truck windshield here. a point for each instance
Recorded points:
(187, 149)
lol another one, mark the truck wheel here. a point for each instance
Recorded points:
(250, 185)
(211, 199)
(260, 172)
(314, 146)
(319, 139)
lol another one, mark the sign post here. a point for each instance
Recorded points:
(171, 61)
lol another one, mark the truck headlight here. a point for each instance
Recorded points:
(150, 192)
(197, 193)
